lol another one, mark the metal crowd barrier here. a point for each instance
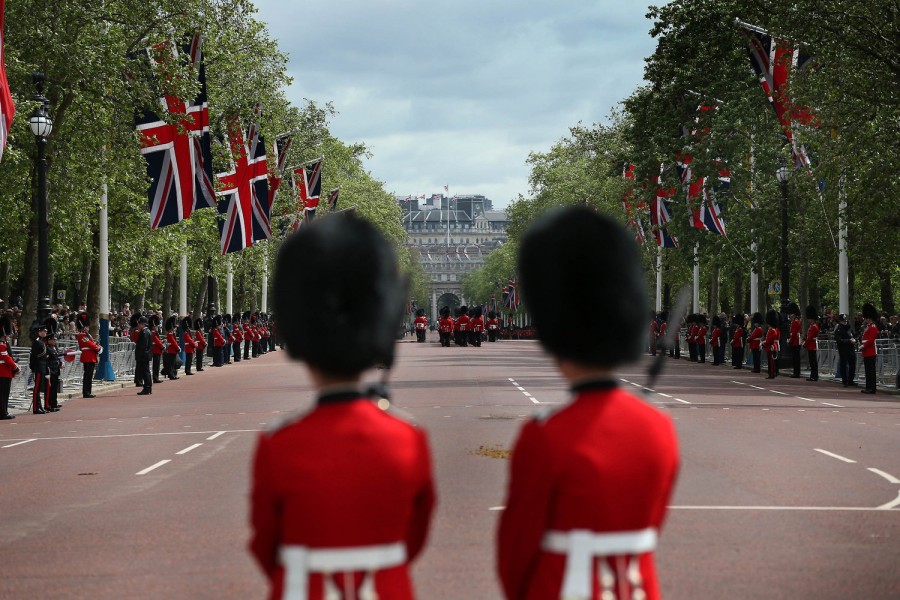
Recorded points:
(121, 355)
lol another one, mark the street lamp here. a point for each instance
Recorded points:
(783, 174)
(41, 126)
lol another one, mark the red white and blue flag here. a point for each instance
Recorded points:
(633, 213)
(661, 215)
(177, 149)
(333, 198)
(282, 146)
(7, 106)
(244, 190)
(312, 174)
(511, 295)
(773, 60)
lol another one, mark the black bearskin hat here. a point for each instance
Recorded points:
(81, 320)
(690, 318)
(171, 322)
(253, 319)
(869, 311)
(772, 318)
(476, 312)
(217, 320)
(757, 318)
(154, 321)
(134, 319)
(186, 323)
(716, 321)
(576, 252)
(464, 310)
(198, 323)
(811, 312)
(264, 317)
(793, 309)
(355, 285)
(5, 325)
(738, 319)
(227, 318)
(445, 312)
(246, 316)
(492, 314)
(420, 312)
(701, 319)
(52, 325)
(664, 315)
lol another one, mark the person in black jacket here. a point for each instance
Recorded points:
(37, 362)
(54, 368)
(142, 356)
(846, 344)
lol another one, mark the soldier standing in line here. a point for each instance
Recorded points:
(228, 334)
(445, 327)
(218, 341)
(476, 327)
(794, 337)
(342, 495)
(700, 338)
(654, 332)
(8, 368)
(493, 326)
(190, 346)
(810, 342)
(772, 343)
(143, 350)
(172, 349)
(755, 341)
(237, 336)
(200, 343)
(421, 322)
(737, 342)
(589, 482)
(158, 347)
(691, 337)
(867, 347)
(248, 335)
(90, 350)
(715, 340)
(135, 331)
(37, 362)
(462, 324)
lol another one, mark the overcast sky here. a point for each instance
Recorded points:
(459, 93)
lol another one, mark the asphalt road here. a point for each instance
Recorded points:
(788, 489)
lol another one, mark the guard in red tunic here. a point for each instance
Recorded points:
(218, 341)
(772, 343)
(737, 342)
(754, 340)
(135, 332)
(421, 324)
(654, 332)
(172, 348)
(445, 326)
(476, 327)
(493, 326)
(867, 348)
(810, 343)
(90, 351)
(715, 340)
(237, 336)
(157, 347)
(8, 368)
(190, 346)
(590, 482)
(690, 336)
(794, 337)
(462, 326)
(700, 338)
(201, 343)
(342, 495)
(248, 335)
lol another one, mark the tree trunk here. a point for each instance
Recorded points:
(29, 273)
(201, 296)
(714, 290)
(93, 288)
(738, 281)
(212, 289)
(887, 291)
(154, 291)
(166, 306)
(88, 269)
(5, 286)
(137, 302)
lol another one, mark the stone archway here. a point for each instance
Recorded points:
(449, 299)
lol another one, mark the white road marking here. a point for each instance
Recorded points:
(887, 476)
(188, 449)
(214, 436)
(19, 443)
(649, 390)
(151, 467)
(497, 508)
(834, 405)
(680, 400)
(511, 379)
(833, 455)
(802, 398)
(664, 395)
(526, 393)
(520, 388)
(756, 386)
(892, 504)
(777, 392)
(634, 384)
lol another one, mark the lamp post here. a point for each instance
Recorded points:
(41, 126)
(783, 174)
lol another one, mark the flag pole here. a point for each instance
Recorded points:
(843, 263)
(183, 304)
(229, 287)
(265, 283)
(658, 278)
(104, 367)
(697, 277)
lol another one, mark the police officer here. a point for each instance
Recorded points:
(589, 484)
(37, 362)
(54, 368)
(846, 344)
(143, 351)
(347, 479)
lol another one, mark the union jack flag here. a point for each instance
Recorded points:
(660, 215)
(312, 174)
(178, 154)
(773, 59)
(333, 198)
(633, 213)
(244, 190)
(7, 107)
(281, 147)
(511, 295)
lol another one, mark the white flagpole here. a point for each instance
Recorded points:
(265, 284)
(183, 291)
(697, 277)
(659, 280)
(104, 366)
(229, 288)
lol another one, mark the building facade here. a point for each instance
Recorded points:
(452, 236)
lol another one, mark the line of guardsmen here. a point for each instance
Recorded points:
(218, 337)
(751, 335)
(465, 330)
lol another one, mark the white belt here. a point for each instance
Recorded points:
(581, 546)
(300, 561)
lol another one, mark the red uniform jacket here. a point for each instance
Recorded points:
(867, 344)
(157, 347)
(89, 348)
(201, 340)
(189, 346)
(811, 335)
(772, 340)
(662, 329)
(134, 335)
(345, 475)
(796, 327)
(493, 324)
(218, 339)
(605, 463)
(237, 334)
(477, 324)
(715, 339)
(692, 334)
(701, 335)
(172, 346)
(421, 322)
(264, 333)
(446, 324)
(8, 366)
(738, 340)
(462, 323)
(755, 338)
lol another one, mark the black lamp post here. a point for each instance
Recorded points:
(783, 174)
(41, 126)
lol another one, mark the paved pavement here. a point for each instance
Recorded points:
(788, 489)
